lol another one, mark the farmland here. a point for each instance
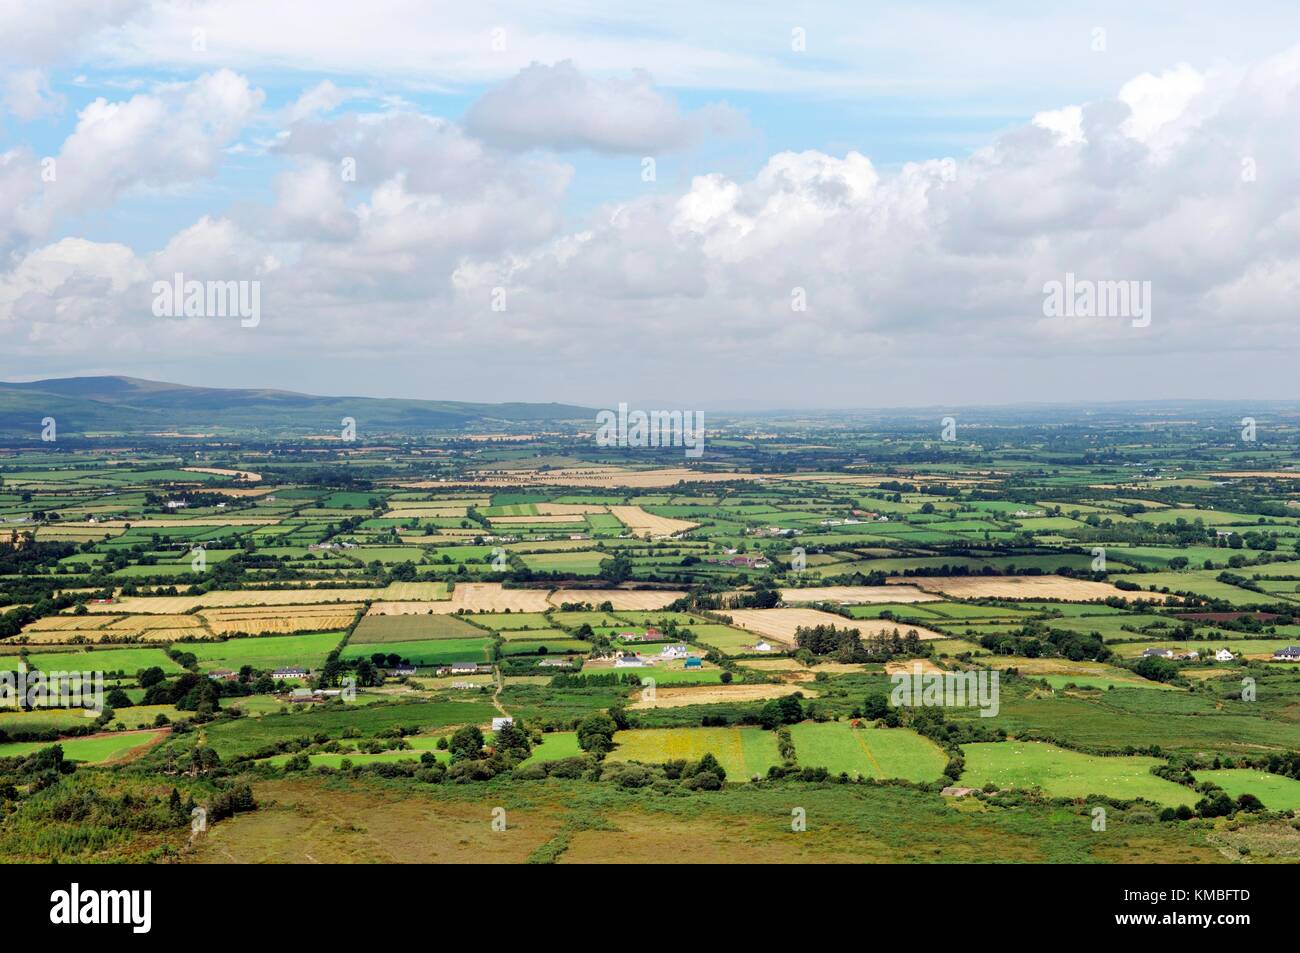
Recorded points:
(707, 639)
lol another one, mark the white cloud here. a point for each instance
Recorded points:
(558, 107)
(27, 95)
(923, 282)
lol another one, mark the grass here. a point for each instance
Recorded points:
(1278, 793)
(867, 752)
(92, 750)
(127, 660)
(266, 652)
(1069, 774)
(555, 746)
(742, 752)
(428, 652)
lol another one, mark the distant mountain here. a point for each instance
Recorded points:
(130, 405)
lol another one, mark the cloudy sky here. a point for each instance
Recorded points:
(671, 204)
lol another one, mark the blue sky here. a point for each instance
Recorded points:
(915, 172)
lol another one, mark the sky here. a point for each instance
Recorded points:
(671, 205)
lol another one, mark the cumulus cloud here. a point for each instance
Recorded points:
(558, 107)
(921, 282)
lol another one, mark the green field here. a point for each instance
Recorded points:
(1278, 793)
(266, 652)
(742, 752)
(426, 652)
(867, 752)
(1068, 774)
(92, 750)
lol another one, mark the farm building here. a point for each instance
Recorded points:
(694, 663)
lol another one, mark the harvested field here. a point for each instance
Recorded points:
(281, 620)
(142, 623)
(857, 595)
(632, 599)
(640, 522)
(407, 608)
(593, 477)
(922, 666)
(779, 625)
(218, 471)
(272, 597)
(1019, 587)
(408, 628)
(493, 597)
(713, 694)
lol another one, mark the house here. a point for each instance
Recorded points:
(464, 668)
(652, 633)
(397, 671)
(1223, 655)
(677, 650)
(222, 675)
(762, 647)
(1158, 653)
(629, 661)
(499, 723)
(693, 663)
(1289, 654)
(176, 504)
(282, 673)
(554, 663)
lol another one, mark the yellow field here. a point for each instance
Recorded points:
(280, 620)
(631, 599)
(857, 595)
(407, 608)
(217, 471)
(923, 666)
(1020, 587)
(640, 522)
(142, 623)
(176, 605)
(62, 623)
(590, 477)
(778, 625)
(493, 597)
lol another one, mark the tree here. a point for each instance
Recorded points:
(596, 733)
(117, 698)
(466, 744)
(875, 706)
